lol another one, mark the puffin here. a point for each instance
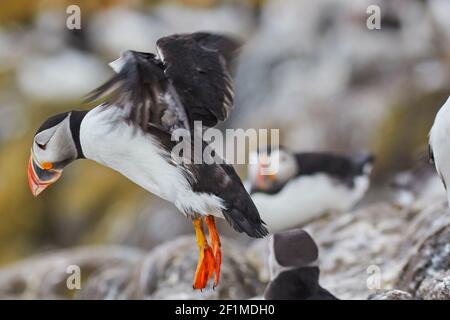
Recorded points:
(133, 129)
(290, 189)
(439, 147)
(294, 270)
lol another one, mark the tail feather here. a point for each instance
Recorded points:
(240, 222)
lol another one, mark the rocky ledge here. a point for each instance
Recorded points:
(382, 250)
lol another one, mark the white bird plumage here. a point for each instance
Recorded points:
(307, 198)
(439, 140)
(117, 145)
(304, 198)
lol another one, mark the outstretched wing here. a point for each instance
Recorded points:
(137, 87)
(198, 66)
(191, 83)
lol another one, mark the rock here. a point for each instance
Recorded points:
(169, 271)
(381, 240)
(436, 287)
(45, 276)
(391, 295)
(424, 269)
(258, 255)
(126, 273)
(353, 243)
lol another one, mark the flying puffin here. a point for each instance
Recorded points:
(305, 185)
(439, 146)
(147, 99)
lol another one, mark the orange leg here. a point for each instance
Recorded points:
(206, 261)
(215, 243)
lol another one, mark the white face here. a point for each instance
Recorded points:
(54, 145)
(53, 148)
(267, 170)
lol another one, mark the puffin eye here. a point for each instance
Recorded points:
(41, 146)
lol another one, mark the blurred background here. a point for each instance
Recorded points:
(311, 68)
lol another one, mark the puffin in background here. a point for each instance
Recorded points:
(294, 270)
(306, 185)
(439, 145)
(148, 98)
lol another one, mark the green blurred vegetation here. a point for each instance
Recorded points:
(402, 139)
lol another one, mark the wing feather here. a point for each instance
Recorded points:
(135, 87)
(199, 67)
(192, 82)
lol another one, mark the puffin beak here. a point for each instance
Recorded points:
(263, 179)
(39, 178)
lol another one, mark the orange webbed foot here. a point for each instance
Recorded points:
(216, 246)
(218, 262)
(206, 261)
(205, 267)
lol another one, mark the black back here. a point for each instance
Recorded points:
(335, 165)
(297, 284)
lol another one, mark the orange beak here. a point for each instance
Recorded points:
(263, 179)
(39, 178)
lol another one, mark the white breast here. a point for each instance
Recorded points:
(440, 143)
(108, 140)
(306, 198)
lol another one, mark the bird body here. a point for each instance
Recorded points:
(304, 199)
(132, 131)
(313, 184)
(140, 157)
(439, 144)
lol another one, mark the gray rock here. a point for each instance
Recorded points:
(424, 269)
(403, 246)
(45, 276)
(391, 295)
(169, 271)
(436, 288)
(124, 273)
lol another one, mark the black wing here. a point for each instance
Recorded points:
(198, 66)
(137, 87)
(192, 83)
